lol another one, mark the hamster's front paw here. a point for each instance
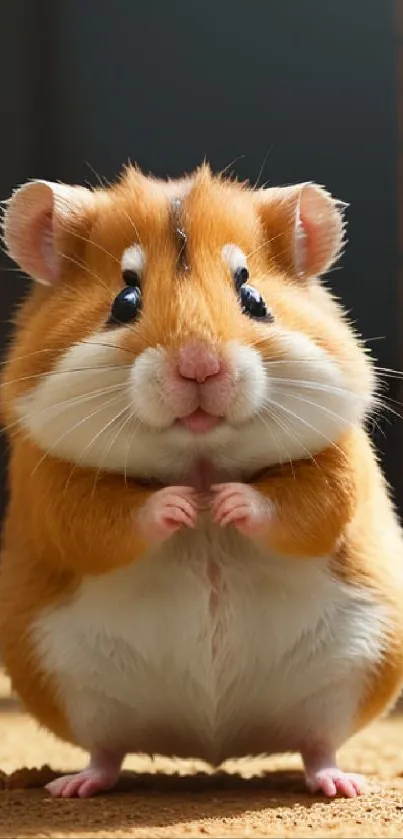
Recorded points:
(166, 511)
(242, 506)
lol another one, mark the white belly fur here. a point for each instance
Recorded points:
(210, 648)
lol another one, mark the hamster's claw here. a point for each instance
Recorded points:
(323, 776)
(166, 511)
(242, 506)
(82, 785)
(101, 775)
(332, 782)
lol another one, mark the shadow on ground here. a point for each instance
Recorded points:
(155, 801)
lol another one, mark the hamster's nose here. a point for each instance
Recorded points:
(198, 362)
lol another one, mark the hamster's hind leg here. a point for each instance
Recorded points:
(323, 776)
(100, 724)
(328, 719)
(101, 774)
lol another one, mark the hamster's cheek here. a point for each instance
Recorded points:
(76, 409)
(101, 408)
(311, 399)
(251, 385)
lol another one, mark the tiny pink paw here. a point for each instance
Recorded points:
(82, 784)
(166, 511)
(241, 505)
(332, 782)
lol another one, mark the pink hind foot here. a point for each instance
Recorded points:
(102, 774)
(323, 776)
(332, 782)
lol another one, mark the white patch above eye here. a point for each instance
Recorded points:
(133, 259)
(234, 257)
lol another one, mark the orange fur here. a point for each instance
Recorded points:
(202, 307)
(53, 536)
(62, 537)
(314, 500)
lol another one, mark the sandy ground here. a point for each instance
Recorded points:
(175, 799)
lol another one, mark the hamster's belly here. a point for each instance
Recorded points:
(208, 648)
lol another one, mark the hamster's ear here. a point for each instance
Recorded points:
(304, 227)
(37, 217)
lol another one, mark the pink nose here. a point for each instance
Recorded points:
(196, 361)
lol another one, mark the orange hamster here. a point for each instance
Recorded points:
(200, 557)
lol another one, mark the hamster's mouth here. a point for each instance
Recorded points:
(199, 421)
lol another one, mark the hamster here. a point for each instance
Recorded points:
(200, 557)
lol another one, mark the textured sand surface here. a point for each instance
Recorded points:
(167, 799)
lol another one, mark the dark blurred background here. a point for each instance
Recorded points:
(306, 87)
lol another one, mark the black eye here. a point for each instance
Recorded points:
(126, 305)
(253, 304)
(241, 276)
(130, 277)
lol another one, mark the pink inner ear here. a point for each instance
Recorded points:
(33, 224)
(301, 242)
(318, 232)
(313, 242)
(48, 248)
(43, 255)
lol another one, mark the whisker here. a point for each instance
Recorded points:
(136, 423)
(232, 163)
(90, 242)
(135, 329)
(262, 168)
(310, 384)
(73, 428)
(282, 427)
(373, 425)
(122, 426)
(295, 416)
(325, 388)
(374, 338)
(52, 350)
(108, 346)
(377, 403)
(83, 267)
(293, 434)
(132, 223)
(72, 400)
(141, 330)
(65, 372)
(389, 372)
(383, 406)
(323, 408)
(264, 244)
(12, 270)
(89, 445)
(102, 183)
(381, 372)
(270, 362)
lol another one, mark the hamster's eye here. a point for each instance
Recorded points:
(253, 304)
(130, 277)
(126, 306)
(241, 276)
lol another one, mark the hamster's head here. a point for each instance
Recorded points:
(179, 321)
